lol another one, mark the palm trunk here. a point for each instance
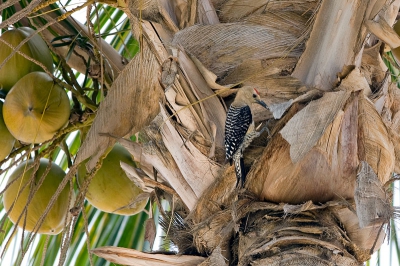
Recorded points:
(315, 150)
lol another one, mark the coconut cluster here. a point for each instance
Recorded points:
(32, 186)
(35, 107)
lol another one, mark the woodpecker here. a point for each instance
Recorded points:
(240, 130)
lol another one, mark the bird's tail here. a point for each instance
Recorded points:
(240, 172)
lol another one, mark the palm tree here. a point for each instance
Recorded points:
(316, 189)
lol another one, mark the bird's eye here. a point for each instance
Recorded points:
(254, 95)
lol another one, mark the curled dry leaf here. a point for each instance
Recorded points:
(143, 181)
(279, 109)
(373, 67)
(135, 176)
(211, 78)
(290, 209)
(185, 115)
(383, 31)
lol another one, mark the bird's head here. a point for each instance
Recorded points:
(248, 95)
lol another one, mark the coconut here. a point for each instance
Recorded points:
(111, 190)
(6, 139)
(18, 66)
(55, 219)
(36, 108)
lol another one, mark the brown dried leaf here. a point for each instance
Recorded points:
(305, 128)
(135, 176)
(131, 103)
(355, 81)
(372, 65)
(372, 204)
(383, 31)
(374, 144)
(198, 170)
(186, 116)
(325, 172)
(133, 257)
(261, 73)
(279, 109)
(309, 205)
(233, 43)
(215, 259)
(208, 107)
(210, 77)
(156, 155)
(288, 21)
(150, 232)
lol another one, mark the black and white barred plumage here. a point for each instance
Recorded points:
(237, 123)
(237, 134)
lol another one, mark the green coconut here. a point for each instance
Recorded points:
(6, 139)
(55, 219)
(36, 108)
(18, 66)
(111, 190)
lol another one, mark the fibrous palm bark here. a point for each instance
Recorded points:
(332, 119)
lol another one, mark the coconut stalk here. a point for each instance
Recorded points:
(308, 196)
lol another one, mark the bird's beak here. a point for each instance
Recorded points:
(262, 103)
